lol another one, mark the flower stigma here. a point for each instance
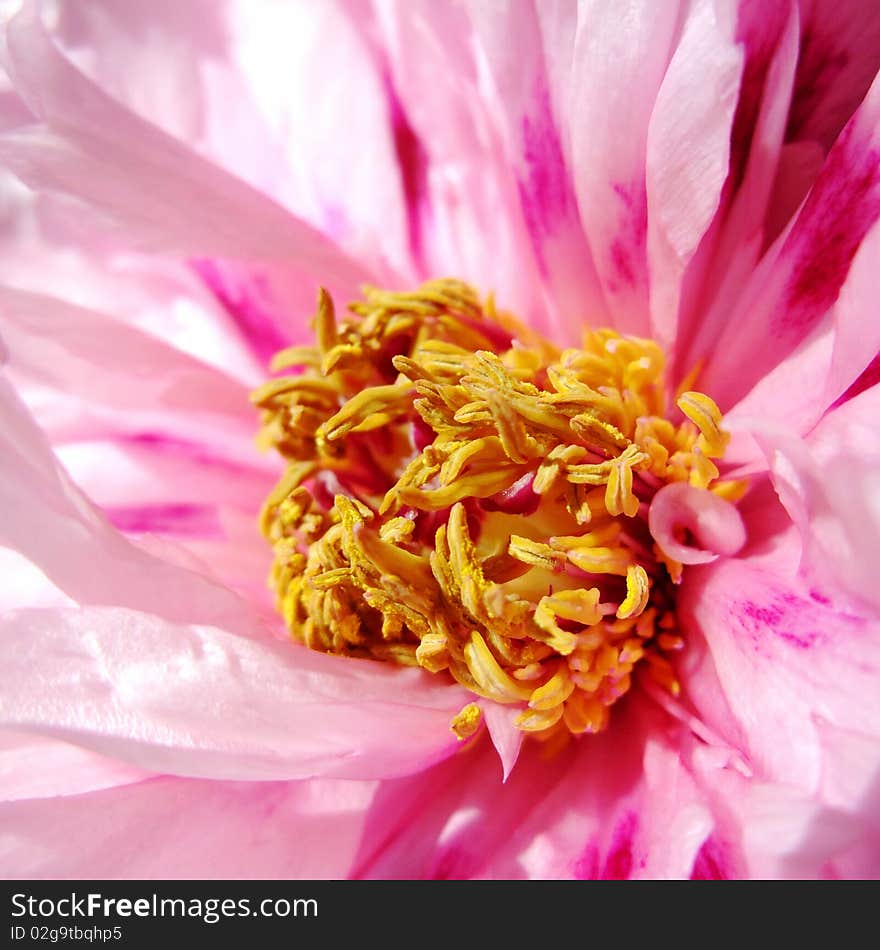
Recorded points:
(463, 496)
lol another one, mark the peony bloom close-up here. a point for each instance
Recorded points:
(439, 439)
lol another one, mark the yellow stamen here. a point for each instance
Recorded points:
(703, 412)
(467, 721)
(638, 589)
(463, 497)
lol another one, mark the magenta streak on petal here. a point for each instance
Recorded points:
(775, 617)
(628, 248)
(819, 66)
(844, 203)
(545, 191)
(781, 617)
(412, 159)
(586, 868)
(710, 863)
(869, 377)
(168, 445)
(758, 28)
(247, 304)
(183, 520)
(453, 863)
(619, 861)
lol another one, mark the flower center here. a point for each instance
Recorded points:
(463, 496)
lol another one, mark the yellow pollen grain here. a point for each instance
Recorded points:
(462, 496)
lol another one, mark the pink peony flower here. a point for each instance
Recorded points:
(705, 175)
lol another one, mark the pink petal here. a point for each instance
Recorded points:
(35, 767)
(531, 115)
(832, 357)
(366, 205)
(158, 485)
(734, 243)
(850, 782)
(48, 520)
(856, 327)
(44, 245)
(715, 523)
(93, 356)
(770, 831)
(202, 702)
(851, 771)
(780, 652)
(147, 55)
(829, 485)
(168, 828)
(470, 199)
(801, 276)
(688, 153)
(619, 804)
(24, 585)
(618, 66)
(839, 58)
(506, 737)
(152, 470)
(98, 151)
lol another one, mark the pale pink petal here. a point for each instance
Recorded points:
(781, 653)
(534, 138)
(171, 828)
(95, 149)
(856, 327)
(235, 80)
(781, 399)
(830, 485)
(199, 701)
(44, 244)
(851, 782)
(464, 196)
(786, 121)
(506, 737)
(148, 56)
(152, 471)
(25, 585)
(48, 520)
(728, 253)
(688, 153)
(92, 356)
(152, 485)
(851, 774)
(352, 178)
(36, 767)
(621, 54)
(767, 830)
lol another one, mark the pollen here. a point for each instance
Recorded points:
(463, 496)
